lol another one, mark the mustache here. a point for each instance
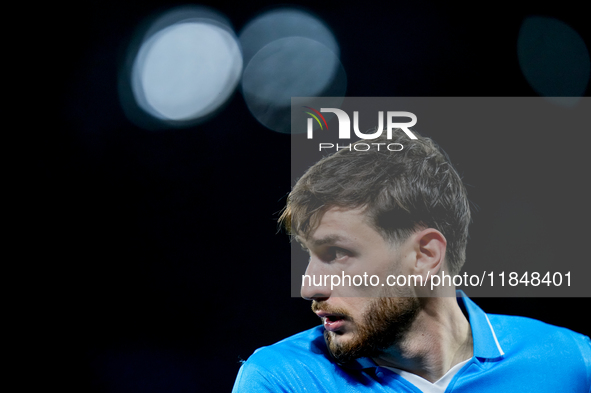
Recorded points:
(324, 306)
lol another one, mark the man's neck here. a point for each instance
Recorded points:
(439, 338)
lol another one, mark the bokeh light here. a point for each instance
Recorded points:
(284, 23)
(553, 58)
(289, 67)
(288, 53)
(186, 66)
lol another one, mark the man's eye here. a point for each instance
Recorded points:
(339, 253)
(331, 254)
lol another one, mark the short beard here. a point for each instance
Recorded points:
(385, 322)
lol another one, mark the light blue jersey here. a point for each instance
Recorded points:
(511, 354)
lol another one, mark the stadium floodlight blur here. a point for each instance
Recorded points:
(182, 66)
(554, 59)
(288, 53)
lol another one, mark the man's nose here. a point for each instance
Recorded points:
(315, 283)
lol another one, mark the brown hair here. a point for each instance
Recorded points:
(402, 191)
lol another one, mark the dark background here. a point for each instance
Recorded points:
(155, 261)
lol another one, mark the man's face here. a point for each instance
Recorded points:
(366, 319)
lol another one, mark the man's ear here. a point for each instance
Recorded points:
(430, 246)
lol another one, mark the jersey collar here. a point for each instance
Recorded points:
(486, 344)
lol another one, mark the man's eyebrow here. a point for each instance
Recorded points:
(327, 240)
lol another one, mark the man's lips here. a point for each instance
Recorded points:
(331, 322)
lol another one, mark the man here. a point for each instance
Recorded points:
(381, 214)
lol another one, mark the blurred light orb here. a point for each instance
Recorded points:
(553, 58)
(290, 67)
(288, 53)
(186, 70)
(186, 66)
(283, 23)
(285, 68)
